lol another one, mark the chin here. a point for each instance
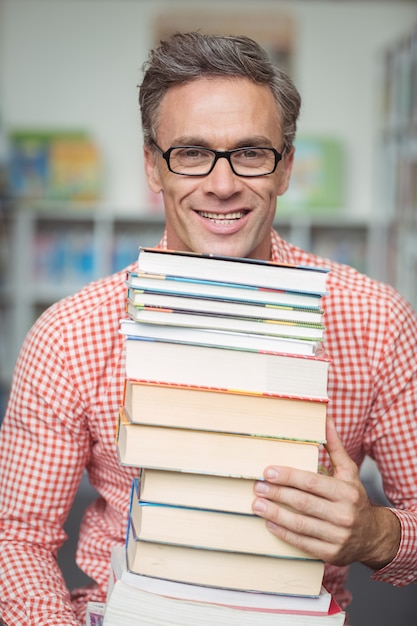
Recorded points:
(233, 251)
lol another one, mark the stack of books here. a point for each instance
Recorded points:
(224, 376)
(135, 599)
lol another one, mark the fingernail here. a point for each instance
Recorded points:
(271, 473)
(261, 487)
(259, 506)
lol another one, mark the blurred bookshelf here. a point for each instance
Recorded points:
(54, 251)
(51, 249)
(398, 161)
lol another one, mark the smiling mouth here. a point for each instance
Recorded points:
(221, 218)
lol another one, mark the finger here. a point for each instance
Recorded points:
(297, 488)
(301, 530)
(318, 547)
(343, 466)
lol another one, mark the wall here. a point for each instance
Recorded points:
(76, 63)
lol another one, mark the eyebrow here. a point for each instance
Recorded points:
(244, 142)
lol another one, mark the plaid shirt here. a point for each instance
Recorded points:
(61, 419)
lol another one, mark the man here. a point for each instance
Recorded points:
(219, 123)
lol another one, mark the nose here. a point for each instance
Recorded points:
(222, 181)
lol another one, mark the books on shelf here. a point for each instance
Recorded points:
(188, 450)
(208, 366)
(168, 603)
(206, 528)
(55, 165)
(75, 172)
(178, 406)
(236, 270)
(226, 291)
(29, 164)
(219, 338)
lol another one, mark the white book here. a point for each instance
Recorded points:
(210, 366)
(257, 272)
(221, 338)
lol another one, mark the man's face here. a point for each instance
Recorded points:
(220, 213)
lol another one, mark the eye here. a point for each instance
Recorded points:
(250, 156)
(192, 153)
(250, 153)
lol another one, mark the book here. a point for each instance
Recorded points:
(55, 165)
(224, 493)
(216, 306)
(188, 450)
(75, 169)
(134, 598)
(180, 406)
(297, 330)
(208, 366)
(129, 606)
(95, 613)
(317, 605)
(318, 176)
(29, 164)
(219, 338)
(217, 568)
(206, 528)
(238, 270)
(195, 287)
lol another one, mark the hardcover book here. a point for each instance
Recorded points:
(208, 366)
(236, 270)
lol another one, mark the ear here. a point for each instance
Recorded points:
(286, 164)
(152, 170)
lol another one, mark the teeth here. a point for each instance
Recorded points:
(220, 218)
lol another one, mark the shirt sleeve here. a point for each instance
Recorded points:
(392, 437)
(45, 446)
(402, 569)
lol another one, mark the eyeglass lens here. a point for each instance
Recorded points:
(199, 161)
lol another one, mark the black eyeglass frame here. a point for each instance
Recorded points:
(221, 154)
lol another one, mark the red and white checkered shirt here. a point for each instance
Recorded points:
(61, 419)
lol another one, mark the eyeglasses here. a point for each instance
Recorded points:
(199, 161)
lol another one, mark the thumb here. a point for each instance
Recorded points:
(343, 466)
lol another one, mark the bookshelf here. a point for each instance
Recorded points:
(398, 161)
(54, 252)
(5, 291)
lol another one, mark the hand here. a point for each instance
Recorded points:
(330, 517)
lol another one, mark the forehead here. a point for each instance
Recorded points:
(220, 111)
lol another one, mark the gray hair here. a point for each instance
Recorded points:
(185, 57)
